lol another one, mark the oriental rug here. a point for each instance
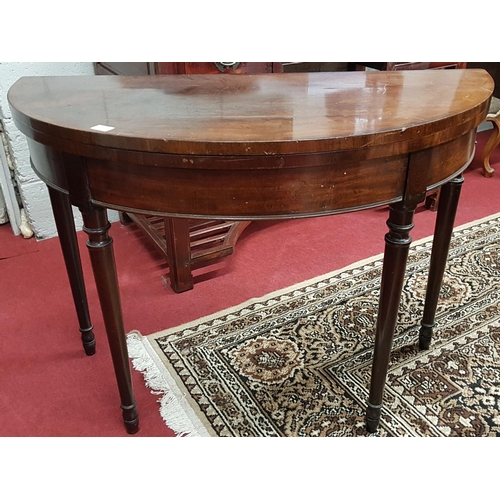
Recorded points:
(298, 362)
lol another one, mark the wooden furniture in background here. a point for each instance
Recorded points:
(187, 244)
(283, 149)
(184, 68)
(494, 140)
(493, 68)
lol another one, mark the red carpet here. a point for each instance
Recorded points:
(48, 387)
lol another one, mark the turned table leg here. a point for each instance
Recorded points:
(65, 224)
(447, 209)
(397, 243)
(100, 246)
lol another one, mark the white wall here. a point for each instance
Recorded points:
(3, 210)
(34, 194)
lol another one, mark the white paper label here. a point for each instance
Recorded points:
(102, 128)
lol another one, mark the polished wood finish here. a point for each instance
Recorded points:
(190, 249)
(493, 68)
(253, 147)
(264, 116)
(432, 199)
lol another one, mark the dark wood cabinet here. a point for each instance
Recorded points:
(236, 68)
(185, 68)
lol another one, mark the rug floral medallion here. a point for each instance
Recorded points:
(298, 362)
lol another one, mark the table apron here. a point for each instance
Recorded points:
(299, 189)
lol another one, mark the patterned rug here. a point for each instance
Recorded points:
(298, 362)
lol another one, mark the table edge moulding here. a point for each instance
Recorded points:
(268, 146)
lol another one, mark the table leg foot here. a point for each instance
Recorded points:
(372, 418)
(88, 341)
(130, 418)
(425, 337)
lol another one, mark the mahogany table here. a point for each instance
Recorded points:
(251, 147)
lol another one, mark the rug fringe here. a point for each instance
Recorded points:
(172, 409)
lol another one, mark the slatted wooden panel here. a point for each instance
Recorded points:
(209, 239)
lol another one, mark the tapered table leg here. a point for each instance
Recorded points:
(397, 243)
(100, 247)
(447, 209)
(65, 224)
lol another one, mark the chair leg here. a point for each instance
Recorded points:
(492, 143)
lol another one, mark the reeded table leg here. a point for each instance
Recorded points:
(447, 209)
(100, 247)
(397, 243)
(65, 224)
